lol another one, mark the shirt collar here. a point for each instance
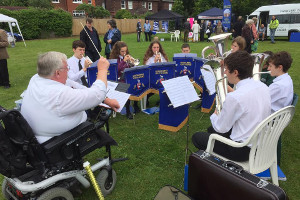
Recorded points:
(278, 78)
(243, 82)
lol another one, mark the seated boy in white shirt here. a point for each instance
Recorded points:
(243, 109)
(281, 90)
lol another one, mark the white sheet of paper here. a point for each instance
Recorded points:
(209, 79)
(121, 97)
(180, 91)
(111, 85)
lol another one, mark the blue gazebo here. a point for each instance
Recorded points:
(213, 13)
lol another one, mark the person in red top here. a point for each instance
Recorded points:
(121, 53)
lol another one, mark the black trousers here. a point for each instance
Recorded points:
(208, 36)
(94, 56)
(4, 76)
(200, 140)
(148, 36)
(201, 35)
(139, 36)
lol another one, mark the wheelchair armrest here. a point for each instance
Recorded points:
(68, 136)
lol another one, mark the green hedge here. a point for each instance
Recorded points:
(33, 22)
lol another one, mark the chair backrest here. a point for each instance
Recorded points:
(176, 33)
(265, 137)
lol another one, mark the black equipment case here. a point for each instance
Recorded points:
(211, 178)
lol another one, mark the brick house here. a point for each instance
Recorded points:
(71, 5)
(134, 6)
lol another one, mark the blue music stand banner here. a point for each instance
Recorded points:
(185, 64)
(160, 72)
(198, 78)
(112, 73)
(139, 80)
(170, 118)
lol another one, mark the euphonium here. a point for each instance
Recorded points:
(220, 42)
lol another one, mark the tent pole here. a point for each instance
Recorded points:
(21, 33)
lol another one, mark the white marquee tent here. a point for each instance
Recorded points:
(11, 22)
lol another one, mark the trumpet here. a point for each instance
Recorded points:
(132, 61)
(159, 56)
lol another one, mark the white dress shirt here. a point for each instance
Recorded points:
(52, 108)
(151, 60)
(281, 91)
(74, 73)
(243, 109)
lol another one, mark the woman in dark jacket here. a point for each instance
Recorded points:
(247, 34)
(111, 37)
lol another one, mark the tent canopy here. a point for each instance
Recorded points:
(165, 15)
(213, 13)
(10, 21)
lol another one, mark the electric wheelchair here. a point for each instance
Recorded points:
(61, 174)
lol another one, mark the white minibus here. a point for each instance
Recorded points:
(288, 16)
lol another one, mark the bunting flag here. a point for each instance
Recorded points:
(198, 78)
(185, 64)
(170, 118)
(112, 73)
(139, 80)
(226, 21)
(160, 72)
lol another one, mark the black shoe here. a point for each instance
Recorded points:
(129, 116)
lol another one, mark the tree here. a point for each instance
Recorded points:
(178, 7)
(92, 11)
(203, 5)
(122, 14)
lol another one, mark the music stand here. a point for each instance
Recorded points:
(181, 92)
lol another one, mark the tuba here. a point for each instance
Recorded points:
(214, 60)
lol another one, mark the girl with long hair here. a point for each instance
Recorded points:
(155, 53)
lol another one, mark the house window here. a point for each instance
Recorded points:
(144, 4)
(123, 5)
(77, 1)
(78, 13)
(130, 5)
(55, 1)
(89, 1)
(170, 6)
(149, 5)
(103, 4)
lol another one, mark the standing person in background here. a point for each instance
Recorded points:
(273, 26)
(187, 28)
(247, 34)
(147, 27)
(219, 28)
(139, 30)
(196, 30)
(4, 76)
(209, 30)
(237, 27)
(90, 50)
(202, 28)
(253, 28)
(112, 36)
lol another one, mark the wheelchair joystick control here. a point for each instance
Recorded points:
(88, 169)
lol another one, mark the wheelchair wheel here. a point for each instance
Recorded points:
(107, 184)
(4, 192)
(56, 193)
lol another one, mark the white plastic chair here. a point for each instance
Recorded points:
(175, 35)
(263, 141)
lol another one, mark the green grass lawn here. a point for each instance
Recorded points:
(156, 157)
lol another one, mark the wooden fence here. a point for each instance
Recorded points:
(124, 25)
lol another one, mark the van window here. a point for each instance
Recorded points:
(287, 19)
(295, 19)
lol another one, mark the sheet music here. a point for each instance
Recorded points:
(209, 79)
(121, 97)
(111, 85)
(180, 91)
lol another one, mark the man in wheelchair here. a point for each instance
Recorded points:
(55, 111)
